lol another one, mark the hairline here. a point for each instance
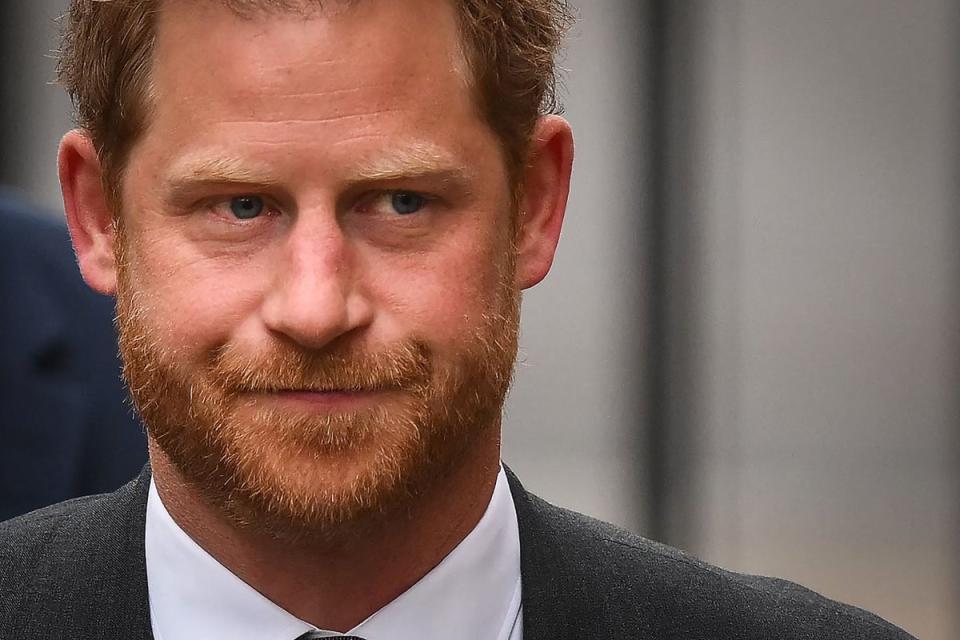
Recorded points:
(114, 175)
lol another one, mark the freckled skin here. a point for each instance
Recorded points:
(307, 116)
(308, 102)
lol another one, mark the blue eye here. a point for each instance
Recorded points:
(406, 202)
(247, 207)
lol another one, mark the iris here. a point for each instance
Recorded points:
(406, 202)
(246, 207)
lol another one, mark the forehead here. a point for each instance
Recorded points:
(385, 40)
(352, 68)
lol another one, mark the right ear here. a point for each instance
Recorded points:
(89, 217)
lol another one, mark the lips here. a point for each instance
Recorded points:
(332, 398)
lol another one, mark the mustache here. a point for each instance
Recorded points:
(286, 367)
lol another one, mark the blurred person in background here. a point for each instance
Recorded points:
(318, 245)
(66, 429)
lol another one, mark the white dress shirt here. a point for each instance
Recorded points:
(473, 594)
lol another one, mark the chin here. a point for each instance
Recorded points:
(328, 497)
(295, 476)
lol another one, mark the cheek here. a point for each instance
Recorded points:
(441, 295)
(192, 300)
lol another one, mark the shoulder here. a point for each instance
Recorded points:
(28, 539)
(48, 544)
(68, 558)
(36, 551)
(630, 582)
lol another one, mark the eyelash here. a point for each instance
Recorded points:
(221, 208)
(221, 205)
(387, 197)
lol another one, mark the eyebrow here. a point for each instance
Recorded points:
(413, 161)
(191, 173)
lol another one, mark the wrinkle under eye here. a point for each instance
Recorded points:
(246, 207)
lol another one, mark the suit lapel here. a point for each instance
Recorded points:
(554, 606)
(88, 575)
(121, 586)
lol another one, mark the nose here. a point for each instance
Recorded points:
(316, 295)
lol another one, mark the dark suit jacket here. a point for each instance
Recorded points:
(77, 570)
(65, 427)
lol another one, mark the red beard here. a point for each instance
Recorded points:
(294, 473)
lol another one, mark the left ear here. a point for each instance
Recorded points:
(546, 183)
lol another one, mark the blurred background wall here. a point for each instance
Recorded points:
(749, 343)
(34, 113)
(811, 315)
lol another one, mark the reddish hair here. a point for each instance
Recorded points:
(107, 48)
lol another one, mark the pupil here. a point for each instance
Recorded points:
(406, 203)
(246, 207)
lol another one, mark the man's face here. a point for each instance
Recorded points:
(317, 302)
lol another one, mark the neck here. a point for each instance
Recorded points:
(338, 589)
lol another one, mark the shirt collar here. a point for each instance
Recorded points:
(473, 593)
